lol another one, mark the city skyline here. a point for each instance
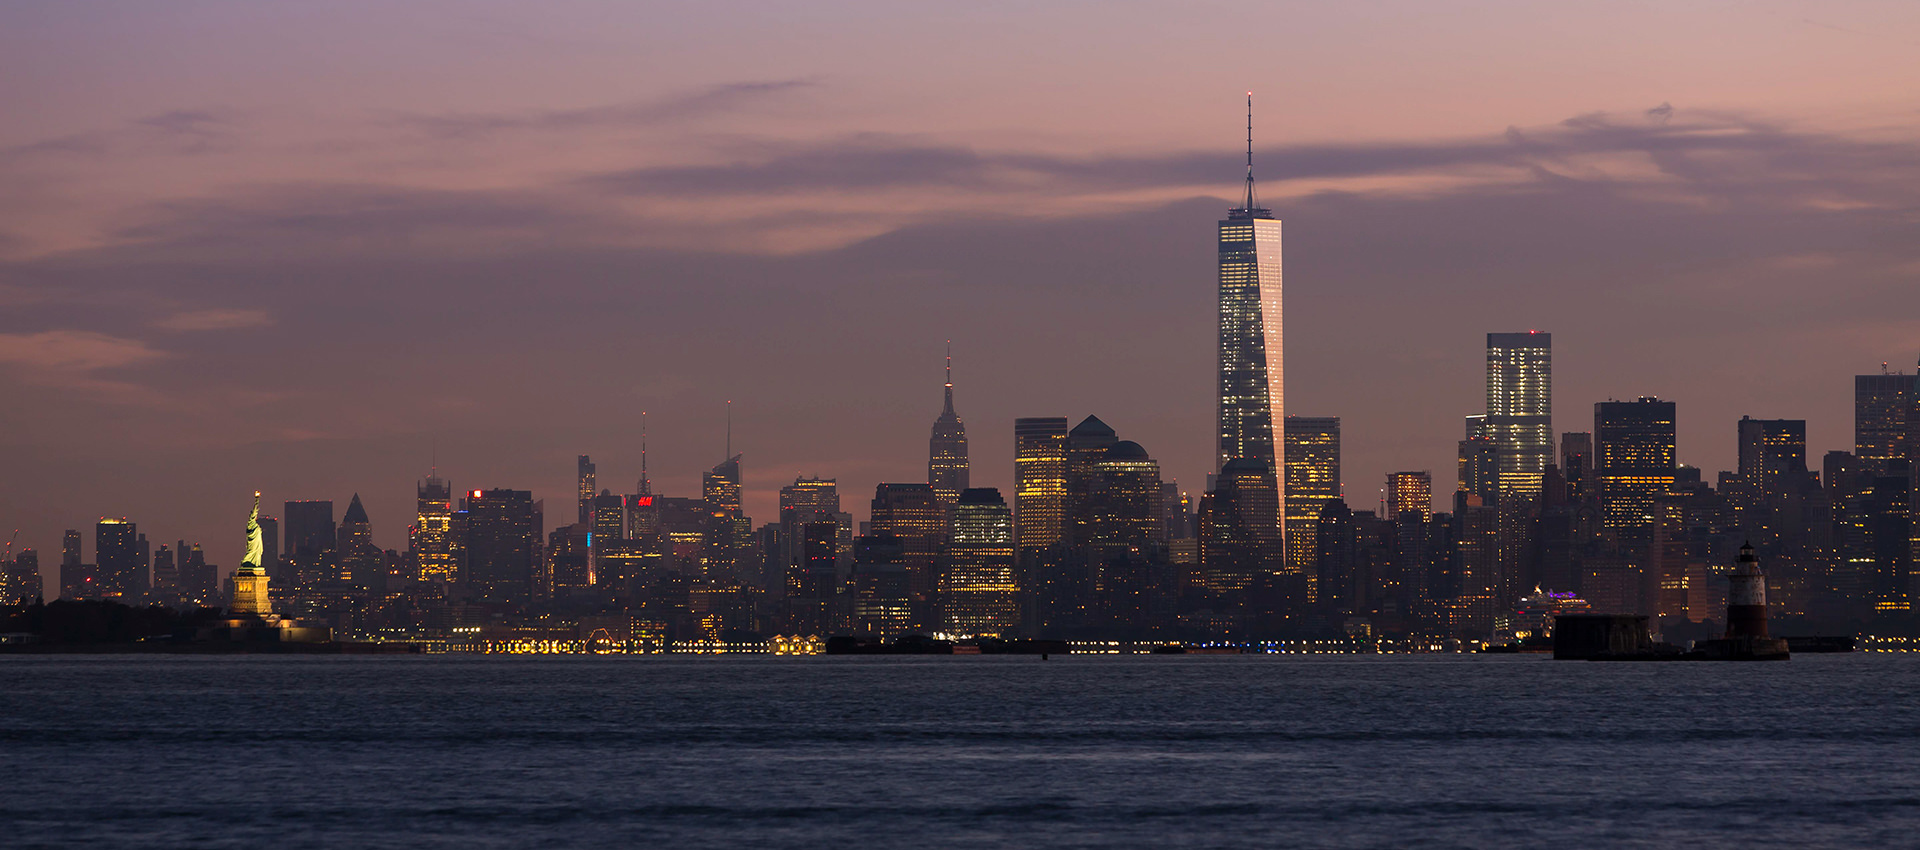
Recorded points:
(156, 360)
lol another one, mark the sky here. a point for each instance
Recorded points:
(316, 249)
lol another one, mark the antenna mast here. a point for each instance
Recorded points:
(1249, 199)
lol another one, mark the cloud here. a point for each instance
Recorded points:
(865, 162)
(184, 122)
(68, 352)
(1661, 114)
(179, 131)
(214, 320)
(678, 107)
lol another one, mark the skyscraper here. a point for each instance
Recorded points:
(1881, 407)
(1124, 498)
(1576, 463)
(1087, 444)
(1237, 538)
(1409, 492)
(1633, 459)
(116, 558)
(1252, 397)
(947, 449)
(433, 541)
(727, 525)
(1312, 455)
(1520, 408)
(309, 527)
(978, 593)
(584, 485)
(361, 563)
(77, 580)
(1039, 482)
(502, 532)
(270, 546)
(1770, 450)
(914, 516)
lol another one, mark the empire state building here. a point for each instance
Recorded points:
(947, 449)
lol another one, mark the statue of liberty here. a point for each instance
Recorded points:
(254, 549)
(248, 586)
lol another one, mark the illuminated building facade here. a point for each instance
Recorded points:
(1312, 468)
(947, 450)
(1519, 417)
(728, 528)
(1251, 365)
(433, 543)
(1882, 406)
(979, 594)
(1409, 492)
(1251, 379)
(1123, 498)
(1040, 482)
(1634, 449)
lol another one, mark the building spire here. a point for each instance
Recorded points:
(1250, 203)
(646, 487)
(949, 409)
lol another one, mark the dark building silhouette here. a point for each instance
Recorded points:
(584, 478)
(913, 516)
(117, 561)
(502, 533)
(361, 563)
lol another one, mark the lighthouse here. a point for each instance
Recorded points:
(1747, 597)
(1746, 638)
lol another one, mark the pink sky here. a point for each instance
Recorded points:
(304, 247)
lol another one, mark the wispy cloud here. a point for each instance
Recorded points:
(179, 131)
(678, 107)
(214, 320)
(68, 351)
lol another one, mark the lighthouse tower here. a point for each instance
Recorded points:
(1747, 597)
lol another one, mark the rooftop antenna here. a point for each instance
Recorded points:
(949, 376)
(646, 487)
(1249, 200)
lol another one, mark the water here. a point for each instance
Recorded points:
(1437, 751)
